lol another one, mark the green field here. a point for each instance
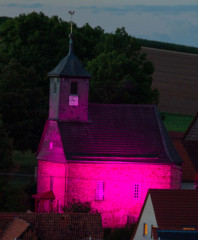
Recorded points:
(176, 122)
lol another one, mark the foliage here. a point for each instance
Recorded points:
(119, 233)
(31, 45)
(12, 199)
(167, 46)
(6, 161)
(3, 19)
(78, 207)
(121, 74)
(21, 94)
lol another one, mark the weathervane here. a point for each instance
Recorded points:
(71, 13)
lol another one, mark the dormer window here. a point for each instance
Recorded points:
(74, 88)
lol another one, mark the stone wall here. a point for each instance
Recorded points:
(52, 176)
(121, 201)
(123, 186)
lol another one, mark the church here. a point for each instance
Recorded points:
(107, 154)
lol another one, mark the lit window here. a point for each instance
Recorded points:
(145, 230)
(136, 191)
(74, 88)
(99, 190)
(51, 145)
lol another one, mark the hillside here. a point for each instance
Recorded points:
(176, 77)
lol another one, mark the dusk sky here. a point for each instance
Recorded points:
(173, 21)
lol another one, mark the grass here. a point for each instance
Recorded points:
(25, 161)
(176, 122)
(25, 168)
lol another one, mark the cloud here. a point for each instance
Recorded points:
(13, 5)
(176, 9)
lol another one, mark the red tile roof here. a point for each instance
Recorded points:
(44, 195)
(175, 209)
(15, 229)
(188, 151)
(123, 131)
(50, 226)
(194, 134)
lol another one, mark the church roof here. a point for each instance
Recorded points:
(69, 66)
(132, 133)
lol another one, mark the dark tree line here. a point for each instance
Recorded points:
(32, 45)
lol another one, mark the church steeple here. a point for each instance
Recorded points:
(69, 87)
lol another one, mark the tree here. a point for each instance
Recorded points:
(35, 40)
(6, 162)
(31, 45)
(22, 105)
(121, 73)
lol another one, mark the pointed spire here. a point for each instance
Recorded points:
(70, 43)
(71, 35)
(70, 65)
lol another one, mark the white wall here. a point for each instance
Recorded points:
(148, 217)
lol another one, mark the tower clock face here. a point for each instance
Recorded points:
(73, 100)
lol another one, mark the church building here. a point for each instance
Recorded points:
(106, 154)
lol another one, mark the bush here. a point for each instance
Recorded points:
(78, 207)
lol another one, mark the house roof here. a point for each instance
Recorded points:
(15, 229)
(176, 234)
(128, 132)
(175, 77)
(188, 169)
(188, 151)
(175, 209)
(61, 226)
(44, 195)
(69, 66)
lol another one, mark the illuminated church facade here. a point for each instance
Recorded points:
(108, 155)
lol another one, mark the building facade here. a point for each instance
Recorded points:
(108, 155)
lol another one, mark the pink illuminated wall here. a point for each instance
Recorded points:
(121, 200)
(116, 189)
(52, 176)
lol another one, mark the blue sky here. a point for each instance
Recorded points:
(174, 21)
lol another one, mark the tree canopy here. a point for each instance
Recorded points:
(32, 45)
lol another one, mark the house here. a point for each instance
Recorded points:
(175, 77)
(186, 145)
(108, 155)
(168, 214)
(51, 226)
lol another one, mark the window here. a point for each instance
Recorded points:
(145, 230)
(100, 190)
(136, 191)
(74, 88)
(51, 145)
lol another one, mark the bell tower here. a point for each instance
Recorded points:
(69, 89)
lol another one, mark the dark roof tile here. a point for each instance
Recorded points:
(123, 131)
